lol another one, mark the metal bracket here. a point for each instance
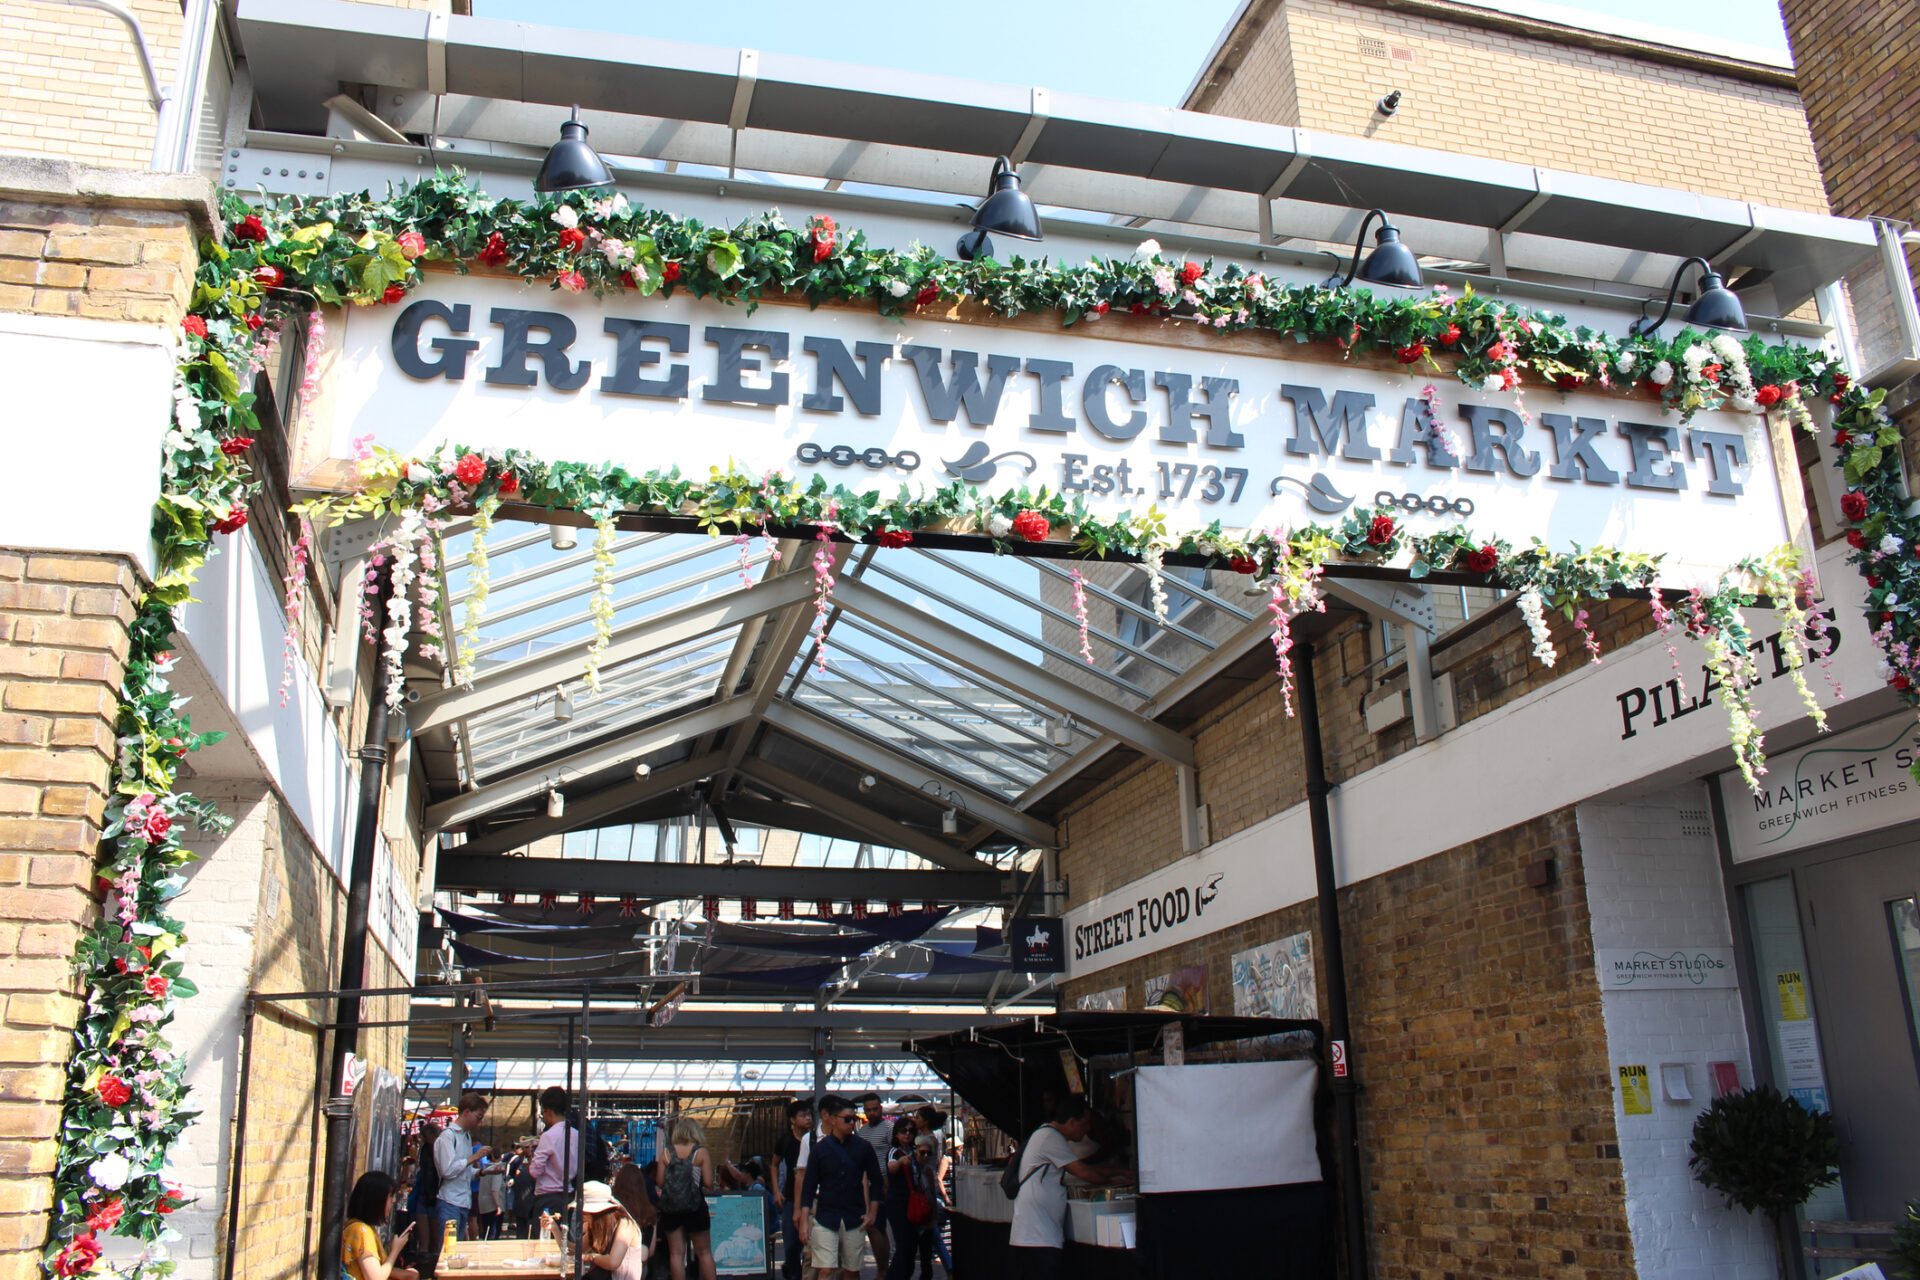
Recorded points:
(437, 53)
(281, 173)
(1194, 824)
(1036, 121)
(743, 86)
(1412, 607)
(351, 541)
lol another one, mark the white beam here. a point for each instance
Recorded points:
(584, 813)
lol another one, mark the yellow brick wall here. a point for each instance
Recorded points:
(1323, 64)
(105, 264)
(63, 645)
(70, 82)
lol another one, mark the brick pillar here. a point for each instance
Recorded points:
(63, 643)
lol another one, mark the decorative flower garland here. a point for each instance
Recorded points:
(363, 250)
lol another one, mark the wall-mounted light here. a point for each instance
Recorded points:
(1007, 211)
(1390, 262)
(1062, 732)
(642, 769)
(563, 537)
(950, 822)
(572, 165)
(556, 804)
(868, 782)
(1389, 104)
(1715, 308)
(562, 705)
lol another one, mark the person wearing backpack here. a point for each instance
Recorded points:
(686, 1176)
(1037, 1241)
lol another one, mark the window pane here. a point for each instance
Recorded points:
(1903, 917)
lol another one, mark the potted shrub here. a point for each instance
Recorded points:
(1906, 1243)
(1766, 1154)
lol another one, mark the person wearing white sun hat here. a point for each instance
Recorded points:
(612, 1239)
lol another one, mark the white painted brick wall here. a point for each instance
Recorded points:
(1653, 879)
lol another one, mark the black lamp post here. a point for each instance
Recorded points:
(1390, 262)
(572, 165)
(1007, 211)
(1715, 308)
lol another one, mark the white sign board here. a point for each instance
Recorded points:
(1248, 430)
(1266, 1140)
(1664, 968)
(1842, 785)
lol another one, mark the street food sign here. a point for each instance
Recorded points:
(1250, 430)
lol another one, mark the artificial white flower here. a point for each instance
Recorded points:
(620, 205)
(1533, 609)
(1661, 374)
(898, 288)
(1149, 249)
(566, 216)
(1163, 281)
(1891, 545)
(1695, 358)
(998, 525)
(1745, 404)
(110, 1171)
(1626, 362)
(418, 474)
(1494, 382)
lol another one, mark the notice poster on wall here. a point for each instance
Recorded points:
(1806, 1080)
(1112, 1000)
(1182, 991)
(1636, 1090)
(1276, 980)
(1792, 986)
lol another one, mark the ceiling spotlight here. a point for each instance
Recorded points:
(572, 165)
(563, 537)
(642, 769)
(556, 804)
(1715, 308)
(1007, 211)
(1390, 262)
(562, 705)
(950, 822)
(1062, 732)
(869, 782)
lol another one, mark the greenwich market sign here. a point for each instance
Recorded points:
(1202, 434)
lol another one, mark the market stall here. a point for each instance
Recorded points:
(1211, 1127)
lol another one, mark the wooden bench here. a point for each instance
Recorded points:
(1879, 1233)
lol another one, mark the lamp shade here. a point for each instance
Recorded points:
(572, 165)
(1716, 307)
(1391, 262)
(1007, 210)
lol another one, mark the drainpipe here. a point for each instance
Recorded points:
(353, 964)
(1346, 1087)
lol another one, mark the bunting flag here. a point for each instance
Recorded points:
(628, 906)
(548, 901)
(749, 909)
(895, 906)
(506, 899)
(859, 908)
(712, 905)
(824, 907)
(586, 904)
(786, 908)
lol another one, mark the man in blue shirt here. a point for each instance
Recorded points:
(842, 1191)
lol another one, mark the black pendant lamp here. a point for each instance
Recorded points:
(572, 165)
(1715, 308)
(1390, 262)
(1007, 211)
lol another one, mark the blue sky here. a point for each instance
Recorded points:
(1130, 49)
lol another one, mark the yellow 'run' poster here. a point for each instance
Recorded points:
(1793, 995)
(1636, 1092)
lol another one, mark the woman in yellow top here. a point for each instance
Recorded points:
(369, 1210)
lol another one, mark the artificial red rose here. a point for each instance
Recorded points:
(1189, 272)
(1032, 526)
(669, 272)
(113, 1091)
(894, 537)
(1856, 540)
(157, 825)
(928, 293)
(233, 521)
(412, 244)
(495, 251)
(1902, 683)
(1380, 531)
(1140, 308)
(1841, 439)
(1484, 560)
(1101, 308)
(470, 470)
(1411, 352)
(627, 281)
(1501, 350)
(1836, 398)
(195, 326)
(392, 293)
(1244, 564)
(1451, 336)
(509, 484)
(106, 1215)
(1767, 396)
(1853, 505)
(253, 322)
(78, 1257)
(156, 986)
(250, 228)
(571, 238)
(177, 744)
(572, 281)
(1568, 381)
(1887, 618)
(271, 277)
(234, 446)
(1841, 382)
(170, 1199)
(822, 229)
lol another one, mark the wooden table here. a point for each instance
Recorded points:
(501, 1260)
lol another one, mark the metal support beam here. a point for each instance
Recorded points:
(584, 813)
(994, 663)
(1412, 607)
(482, 872)
(1193, 815)
(663, 631)
(819, 731)
(879, 829)
(538, 778)
(1036, 122)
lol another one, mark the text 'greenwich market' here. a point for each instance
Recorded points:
(434, 340)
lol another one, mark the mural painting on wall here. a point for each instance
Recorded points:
(1112, 1000)
(1276, 980)
(1182, 991)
